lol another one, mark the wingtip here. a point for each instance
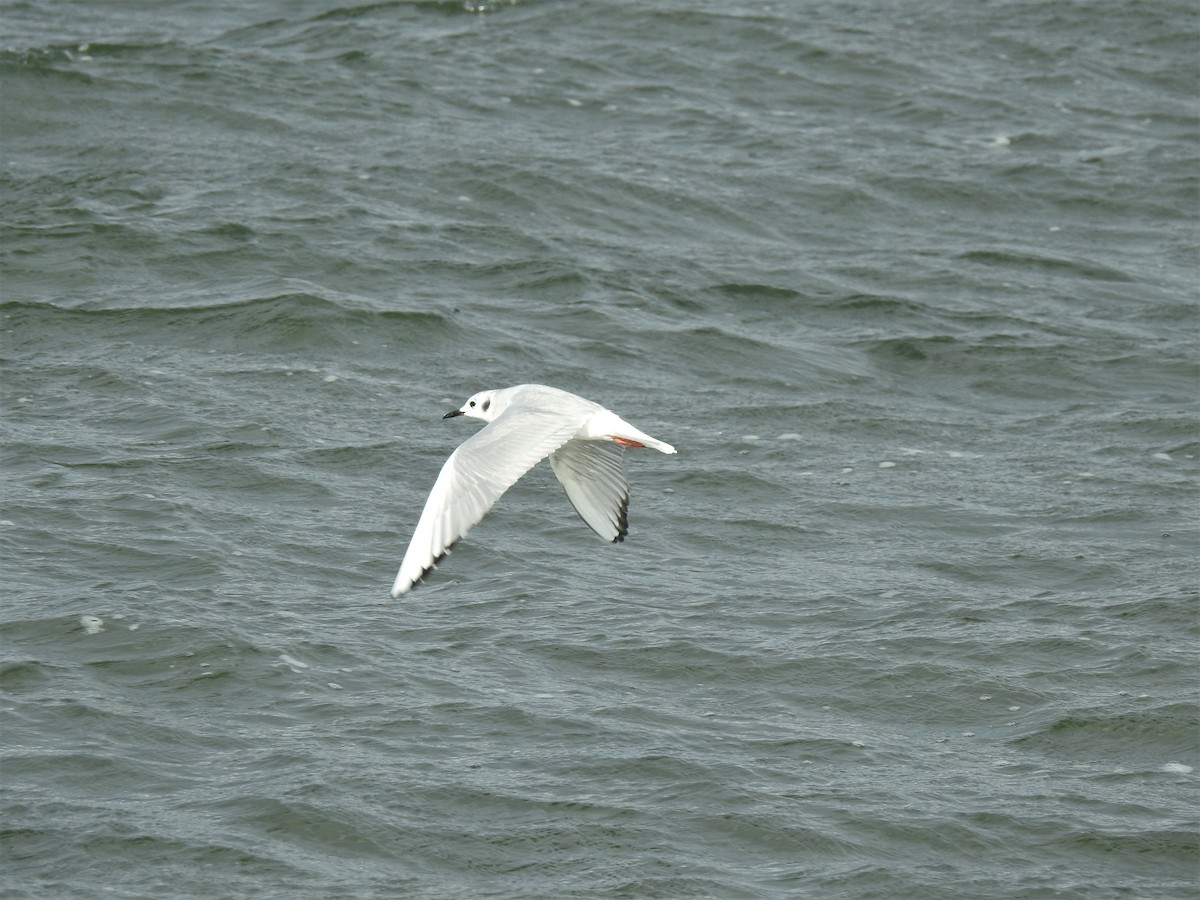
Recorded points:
(622, 520)
(404, 584)
(399, 590)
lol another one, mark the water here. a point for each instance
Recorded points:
(910, 286)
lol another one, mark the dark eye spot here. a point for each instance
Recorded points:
(486, 404)
(472, 403)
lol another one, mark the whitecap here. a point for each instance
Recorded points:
(295, 664)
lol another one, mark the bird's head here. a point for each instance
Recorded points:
(480, 406)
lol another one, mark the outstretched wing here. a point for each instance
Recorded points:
(474, 477)
(590, 472)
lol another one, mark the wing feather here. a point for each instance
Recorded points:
(474, 477)
(591, 474)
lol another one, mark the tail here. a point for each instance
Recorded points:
(660, 446)
(607, 426)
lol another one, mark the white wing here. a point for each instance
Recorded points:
(474, 477)
(590, 472)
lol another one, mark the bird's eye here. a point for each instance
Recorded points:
(472, 403)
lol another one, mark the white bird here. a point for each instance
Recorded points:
(526, 423)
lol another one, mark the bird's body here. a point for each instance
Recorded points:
(526, 423)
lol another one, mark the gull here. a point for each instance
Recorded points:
(526, 423)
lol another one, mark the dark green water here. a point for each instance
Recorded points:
(913, 613)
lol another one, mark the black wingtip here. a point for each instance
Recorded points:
(433, 565)
(622, 520)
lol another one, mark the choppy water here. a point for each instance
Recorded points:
(911, 286)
